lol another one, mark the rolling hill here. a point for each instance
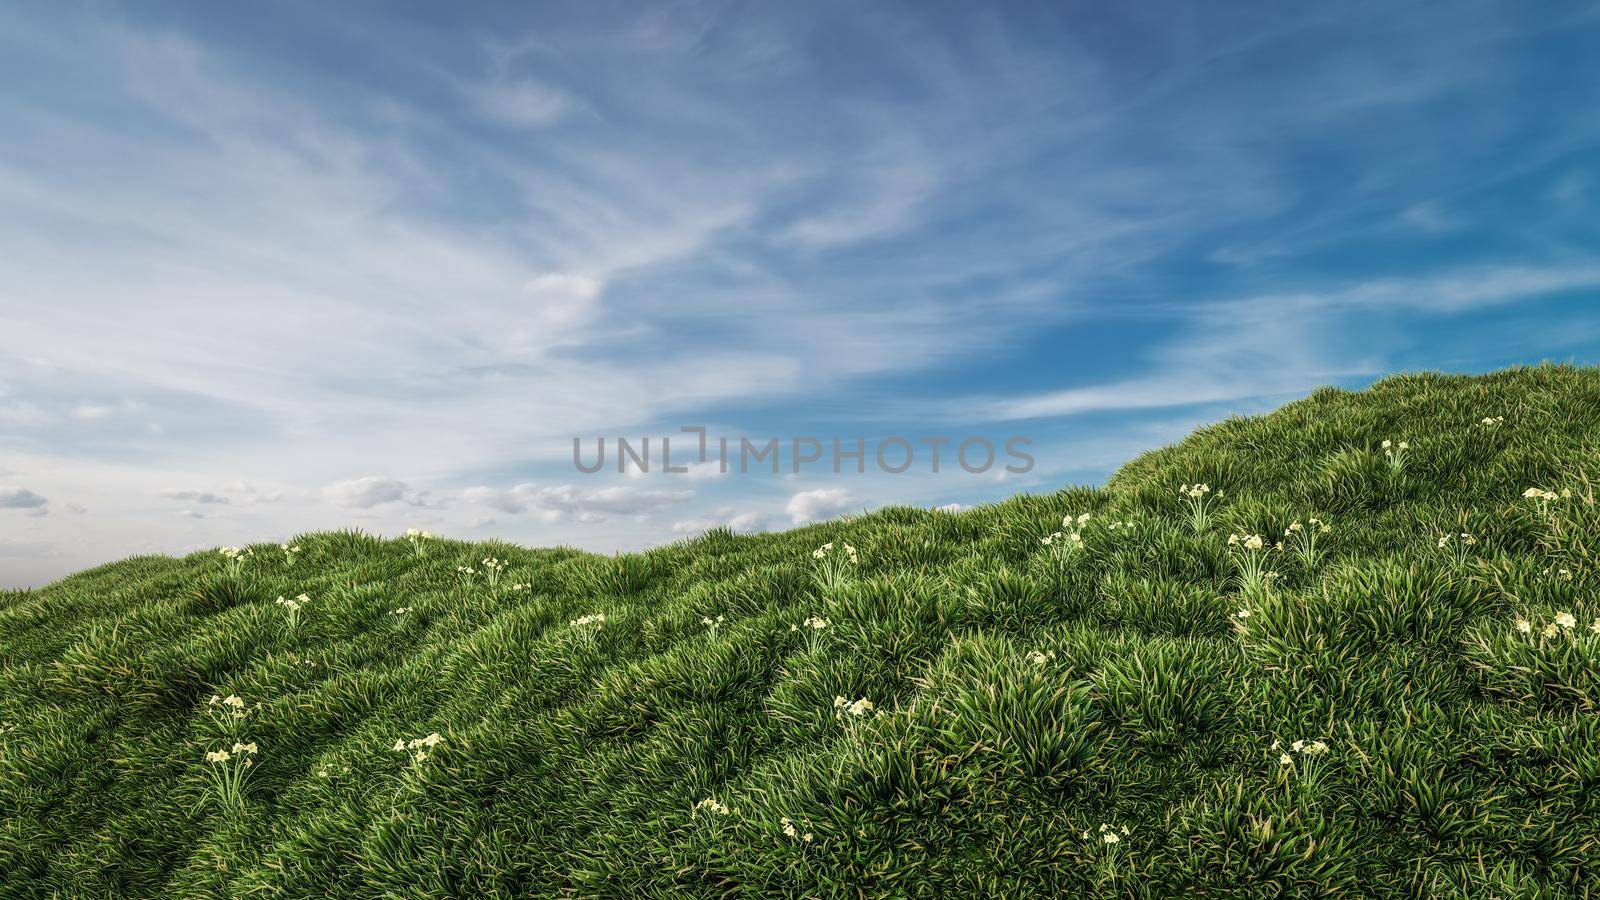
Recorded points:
(1280, 658)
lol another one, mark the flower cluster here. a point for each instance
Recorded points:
(712, 624)
(291, 552)
(1123, 525)
(813, 627)
(790, 830)
(492, 568)
(1063, 546)
(1458, 545)
(1491, 421)
(1039, 658)
(400, 610)
(240, 750)
(1109, 833)
(833, 568)
(419, 748)
(1302, 747)
(1070, 538)
(1198, 497)
(1247, 541)
(293, 606)
(227, 771)
(823, 551)
(1303, 540)
(595, 619)
(712, 805)
(858, 708)
(1544, 498)
(466, 572)
(1395, 453)
(418, 539)
(235, 558)
(1250, 557)
(229, 707)
(1563, 622)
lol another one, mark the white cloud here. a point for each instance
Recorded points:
(12, 497)
(194, 495)
(75, 508)
(724, 517)
(558, 502)
(627, 500)
(255, 494)
(822, 503)
(365, 493)
(949, 508)
(701, 471)
(193, 514)
(513, 500)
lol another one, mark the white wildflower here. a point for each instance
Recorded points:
(712, 805)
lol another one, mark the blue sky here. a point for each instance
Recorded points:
(307, 266)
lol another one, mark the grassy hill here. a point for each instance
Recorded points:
(1408, 708)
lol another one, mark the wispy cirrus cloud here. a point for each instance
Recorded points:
(1278, 344)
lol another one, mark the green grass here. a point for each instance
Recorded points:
(1022, 694)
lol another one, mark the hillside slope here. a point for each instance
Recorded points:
(1400, 711)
